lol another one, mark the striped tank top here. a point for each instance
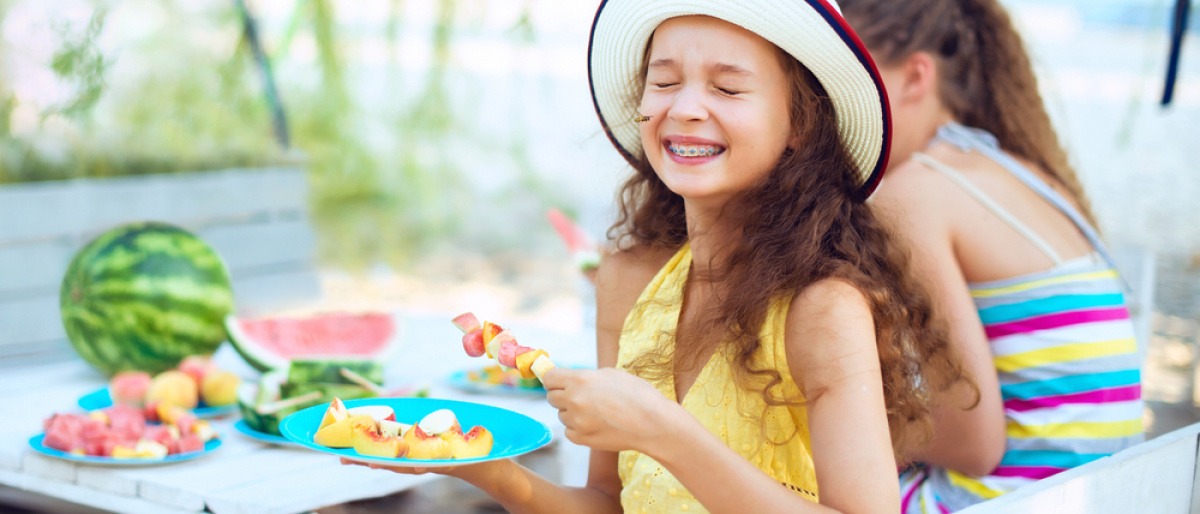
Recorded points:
(1067, 361)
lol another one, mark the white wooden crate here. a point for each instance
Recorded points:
(256, 219)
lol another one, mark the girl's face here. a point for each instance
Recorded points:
(718, 100)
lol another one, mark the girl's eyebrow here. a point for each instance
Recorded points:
(720, 68)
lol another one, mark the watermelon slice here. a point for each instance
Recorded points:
(584, 250)
(271, 343)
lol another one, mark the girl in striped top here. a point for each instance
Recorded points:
(1002, 236)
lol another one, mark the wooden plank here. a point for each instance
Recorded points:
(195, 483)
(81, 495)
(34, 269)
(248, 248)
(31, 319)
(309, 489)
(25, 209)
(280, 290)
(1155, 476)
(86, 207)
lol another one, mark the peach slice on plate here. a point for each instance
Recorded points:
(336, 412)
(339, 434)
(477, 442)
(368, 440)
(424, 446)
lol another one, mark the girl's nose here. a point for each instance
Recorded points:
(688, 105)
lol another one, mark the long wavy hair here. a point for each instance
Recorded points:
(987, 80)
(804, 222)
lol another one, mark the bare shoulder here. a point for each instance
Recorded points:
(912, 192)
(830, 332)
(621, 278)
(826, 302)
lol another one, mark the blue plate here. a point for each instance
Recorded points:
(263, 437)
(36, 443)
(100, 399)
(514, 433)
(462, 381)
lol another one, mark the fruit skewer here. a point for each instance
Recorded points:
(499, 344)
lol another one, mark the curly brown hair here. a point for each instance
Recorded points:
(804, 222)
(987, 80)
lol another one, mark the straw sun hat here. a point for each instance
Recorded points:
(812, 31)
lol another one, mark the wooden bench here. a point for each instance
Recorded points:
(256, 219)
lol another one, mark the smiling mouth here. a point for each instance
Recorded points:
(695, 150)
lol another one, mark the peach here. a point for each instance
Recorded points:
(490, 330)
(197, 367)
(338, 434)
(336, 412)
(129, 388)
(477, 442)
(175, 388)
(367, 440)
(424, 446)
(219, 387)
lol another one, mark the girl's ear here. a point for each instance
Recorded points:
(919, 77)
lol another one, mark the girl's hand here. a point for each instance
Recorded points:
(610, 409)
(404, 470)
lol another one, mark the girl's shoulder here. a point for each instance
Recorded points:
(622, 276)
(631, 268)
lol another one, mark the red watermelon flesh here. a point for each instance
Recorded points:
(269, 343)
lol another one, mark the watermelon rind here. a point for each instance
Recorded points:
(303, 371)
(263, 359)
(143, 296)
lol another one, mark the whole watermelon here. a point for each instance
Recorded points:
(143, 296)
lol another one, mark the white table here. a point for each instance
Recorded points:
(243, 475)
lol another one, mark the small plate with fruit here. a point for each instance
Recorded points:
(495, 379)
(417, 432)
(196, 384)
(121, 435)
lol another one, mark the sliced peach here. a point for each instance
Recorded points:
(477, 442)
(525, 362)
(367, 440)
(336, 412)
(424, 446)
(338, 434)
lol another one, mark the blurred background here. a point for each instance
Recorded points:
(435, 134)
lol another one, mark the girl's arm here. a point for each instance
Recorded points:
(619, 282)
(970, 441)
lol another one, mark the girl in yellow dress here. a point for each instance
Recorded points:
(760, 349)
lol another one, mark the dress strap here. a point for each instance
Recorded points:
(982, 141)
(991, 205)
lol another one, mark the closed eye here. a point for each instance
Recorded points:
(729, 92)
(662, 85)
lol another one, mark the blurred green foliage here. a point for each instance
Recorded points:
(186, 95)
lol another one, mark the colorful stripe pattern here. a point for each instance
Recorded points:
(1070, 378)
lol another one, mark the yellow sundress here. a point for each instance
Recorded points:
(777, 443)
